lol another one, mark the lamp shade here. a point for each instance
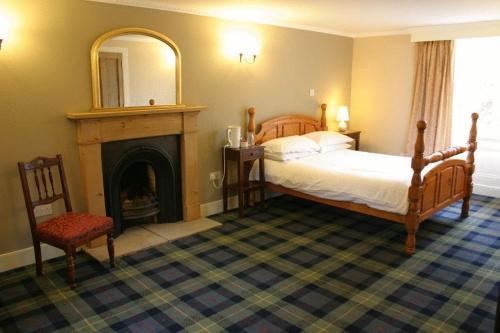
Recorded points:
(4, 27)
(243, 44)
(343, 114)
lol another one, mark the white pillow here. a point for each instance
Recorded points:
(291, 144)
(287, 157)
(339, 146)
(326, 138)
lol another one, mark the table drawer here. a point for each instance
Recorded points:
(251, 153)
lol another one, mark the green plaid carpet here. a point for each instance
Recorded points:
(297, 266)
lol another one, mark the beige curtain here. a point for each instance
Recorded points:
(432, 95)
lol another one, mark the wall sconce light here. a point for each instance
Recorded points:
(249, 59)
(4, 29)
(242, 44)
(248, 48)
(342, 117)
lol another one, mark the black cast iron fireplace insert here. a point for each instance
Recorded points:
(142, 181)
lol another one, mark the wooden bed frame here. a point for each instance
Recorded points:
(444, 184)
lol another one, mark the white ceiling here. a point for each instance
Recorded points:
(353, 18)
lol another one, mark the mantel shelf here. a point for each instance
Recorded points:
(133, 111)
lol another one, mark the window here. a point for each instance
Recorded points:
(477, 89)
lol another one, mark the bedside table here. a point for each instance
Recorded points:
(244, 158)
(355, 135)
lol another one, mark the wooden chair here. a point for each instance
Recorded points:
(67, 231)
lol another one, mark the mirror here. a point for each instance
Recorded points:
(135, 67)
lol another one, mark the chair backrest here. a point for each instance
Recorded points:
(43, 179)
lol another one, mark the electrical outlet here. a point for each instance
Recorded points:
(43, 210)
(215, 175)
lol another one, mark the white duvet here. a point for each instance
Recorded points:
(379, 181)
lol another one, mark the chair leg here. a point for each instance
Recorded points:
(70, 260)
(38, 258)
(111, 250)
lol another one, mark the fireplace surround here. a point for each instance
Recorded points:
(95, 128)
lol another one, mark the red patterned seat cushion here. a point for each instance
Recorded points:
(73, 229)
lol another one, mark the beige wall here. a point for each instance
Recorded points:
(45, 72)
(382, 80)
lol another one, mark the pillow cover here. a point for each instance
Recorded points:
(339, 146)
(326, 138)
(288, 156)
(291, 144)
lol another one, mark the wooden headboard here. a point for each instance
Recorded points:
(285, 125)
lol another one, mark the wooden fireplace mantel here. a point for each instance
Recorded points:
(100, 126)
(134, 111)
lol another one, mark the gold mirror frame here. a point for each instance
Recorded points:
(94, 61)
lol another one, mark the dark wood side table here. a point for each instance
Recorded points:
(244, 158)
(355, 135)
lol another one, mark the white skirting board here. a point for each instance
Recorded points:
(26, 256)
(490, 191)
(216, 207)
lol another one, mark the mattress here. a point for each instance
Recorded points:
(379, 181)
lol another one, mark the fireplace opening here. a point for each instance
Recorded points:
(139, 201)
(142, 181)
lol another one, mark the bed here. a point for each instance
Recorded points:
(410, 189)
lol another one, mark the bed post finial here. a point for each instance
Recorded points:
(416, 188)
(469, 162)
(251, 120)
(473, 132)
(324, 126)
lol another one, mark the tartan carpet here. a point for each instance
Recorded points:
(296, 266)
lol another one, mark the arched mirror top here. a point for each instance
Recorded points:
(135, 68)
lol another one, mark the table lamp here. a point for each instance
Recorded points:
(342, 117)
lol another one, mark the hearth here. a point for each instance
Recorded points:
(142, 181)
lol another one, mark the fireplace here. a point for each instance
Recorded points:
(142, 182)
(97, 128)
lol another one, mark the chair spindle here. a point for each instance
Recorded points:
(44, 181)
(37, 182)
(51, 179)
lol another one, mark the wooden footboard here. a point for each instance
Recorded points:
(443, 185)
(447, 182)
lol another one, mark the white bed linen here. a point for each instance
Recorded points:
(379, 181)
